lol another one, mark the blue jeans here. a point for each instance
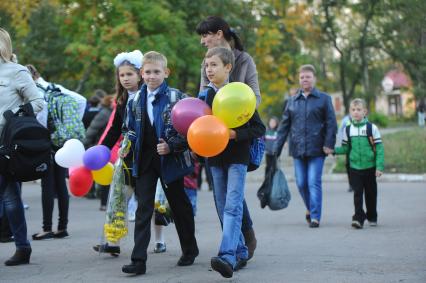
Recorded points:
(11, 204)
(308, 172)
(192, 195)
(228, 188)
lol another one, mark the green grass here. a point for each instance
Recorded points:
(405, 152)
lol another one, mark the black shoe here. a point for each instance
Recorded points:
(241, 263)
(159, 248)
(135, 267)
(21, 256)
(60, 234)
(43, 236)
(6, 239)
(357, 224)
(224, 268)
(308, 218)
(186, 260)
(105, 248)
(314, 223)
(251, 242)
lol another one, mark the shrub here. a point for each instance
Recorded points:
(380, 119)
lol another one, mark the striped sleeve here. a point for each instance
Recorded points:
(376, 135)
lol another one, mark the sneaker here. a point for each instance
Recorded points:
(372, 223)
(43, 235)
(132, 217)
(60, 234)
(314, 223)
(241, 263)
(220, 265)
(159, 248)
(308, 218)
(356, 224)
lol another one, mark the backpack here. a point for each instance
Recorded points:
(63, 120)
(25, 146)
(257, 150)
(257, 145)
(369, 136)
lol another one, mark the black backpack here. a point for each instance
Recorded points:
(25, 147)
(369, 136)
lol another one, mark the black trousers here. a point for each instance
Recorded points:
(364, 184)
(181, 208)
(54, 184)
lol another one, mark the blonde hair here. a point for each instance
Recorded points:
(307, 68)
(5, 46)
(154, 57)
(359, 101)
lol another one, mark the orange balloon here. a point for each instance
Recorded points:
(208, 136)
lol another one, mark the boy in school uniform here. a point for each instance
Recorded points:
(363, 144)
(159, 153)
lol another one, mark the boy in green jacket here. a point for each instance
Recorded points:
(362, 142)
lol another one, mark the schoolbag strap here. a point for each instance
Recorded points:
(370, 136)
(27, 108)
(348, 132)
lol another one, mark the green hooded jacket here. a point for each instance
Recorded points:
(361, 154)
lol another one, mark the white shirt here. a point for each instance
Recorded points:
(149, 99)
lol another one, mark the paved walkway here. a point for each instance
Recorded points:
(288, 251)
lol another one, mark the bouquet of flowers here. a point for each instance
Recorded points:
(162, 211)
(115, 226)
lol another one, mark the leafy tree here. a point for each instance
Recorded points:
(403, 36)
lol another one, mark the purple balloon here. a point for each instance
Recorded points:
(186, 111)
(96, 157)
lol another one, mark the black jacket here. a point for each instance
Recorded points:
(238, 150)
(97, 127)
(311, 124)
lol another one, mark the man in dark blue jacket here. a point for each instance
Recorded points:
(310, 121)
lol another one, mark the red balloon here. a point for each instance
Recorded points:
(186, 111)
(81, 181)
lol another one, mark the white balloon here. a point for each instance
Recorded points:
(71, 154)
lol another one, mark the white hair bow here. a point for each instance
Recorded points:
(134, 57)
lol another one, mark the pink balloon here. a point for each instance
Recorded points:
(186, 111)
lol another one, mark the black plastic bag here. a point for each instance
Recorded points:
(274, 191)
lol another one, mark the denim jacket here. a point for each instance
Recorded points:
(311, 124)
(178, 162)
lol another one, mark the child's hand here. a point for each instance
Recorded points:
(379, 173)
(327, 150)
(232, 134)
(162, 147)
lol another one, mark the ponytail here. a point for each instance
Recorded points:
(237, 41)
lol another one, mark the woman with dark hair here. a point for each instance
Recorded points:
(216, 32)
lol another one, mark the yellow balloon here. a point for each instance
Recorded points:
(104, 175)
(234, 104)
